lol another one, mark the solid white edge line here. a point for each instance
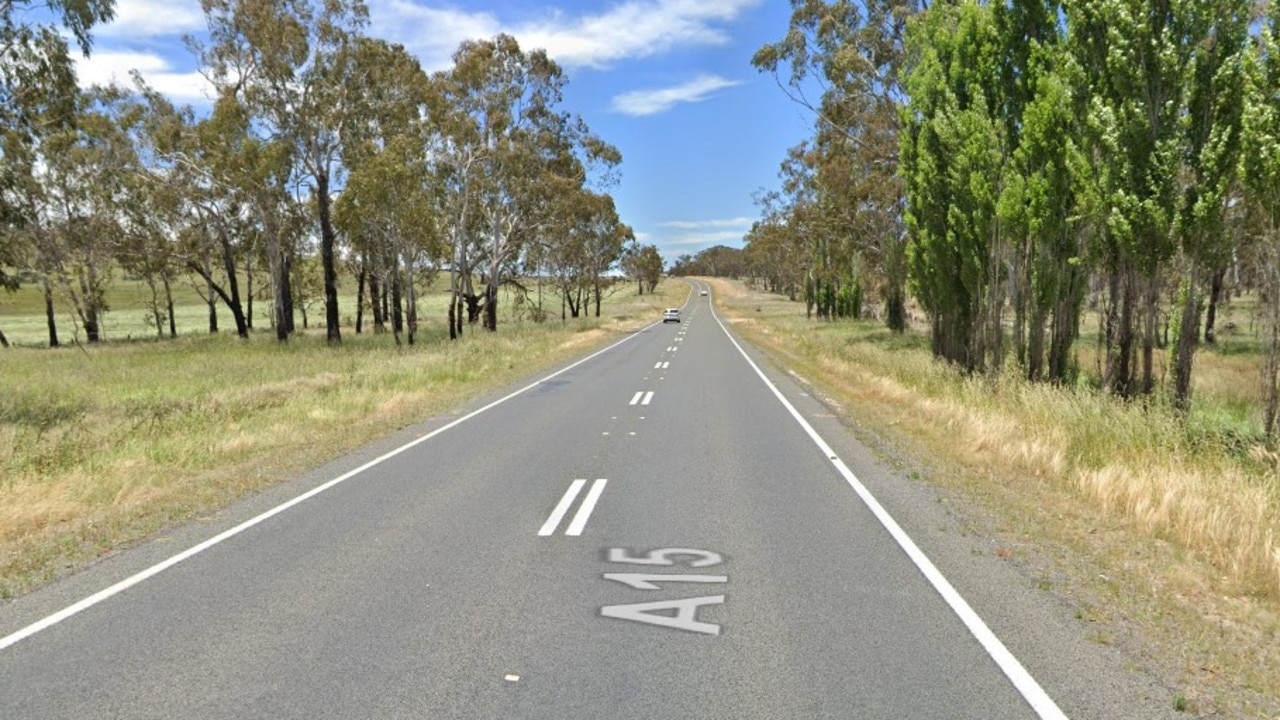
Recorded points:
(562, 507)
(94, 599)
(1036, 697)
(584, 511)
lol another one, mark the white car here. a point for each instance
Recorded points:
(703, 293)
(671, 315)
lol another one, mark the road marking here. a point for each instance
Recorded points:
(119, 587)
(645, 581)
(647, 397)
(561, 508)
(585, 509)
(1036, 697)
(666, 365)
(686, 617)
(635, 399)
(657, 366)
(671, 349)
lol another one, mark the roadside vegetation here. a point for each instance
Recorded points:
(1159, 528)
(102, 444)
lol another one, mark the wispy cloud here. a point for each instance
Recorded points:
(744, 223)
(652, 102)
(703, 240)
(695, 235)
(153, 18)
(625, 30)
(111, 67)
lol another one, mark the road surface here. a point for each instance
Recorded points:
(660, 530)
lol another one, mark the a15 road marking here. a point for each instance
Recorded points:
(654, 613)
(579, 522)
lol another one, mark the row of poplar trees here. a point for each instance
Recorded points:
(325, 151)
(1005, 162)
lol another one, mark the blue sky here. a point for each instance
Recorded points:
(669, 82)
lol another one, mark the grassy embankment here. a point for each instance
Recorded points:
(1170, 528)
(100, 446)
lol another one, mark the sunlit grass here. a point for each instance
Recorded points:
(102, 445)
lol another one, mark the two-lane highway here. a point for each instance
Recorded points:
(649, 533)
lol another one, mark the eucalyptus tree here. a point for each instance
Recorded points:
(854, 54)
(86, 174)
(642, 263)
(38, 96)
(505, 150)
(593, 243)
(387, 208)
(293, 63)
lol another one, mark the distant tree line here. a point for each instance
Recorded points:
(1007, 163)
(326, 152)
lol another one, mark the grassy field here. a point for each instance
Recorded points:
(102, 445)
(1168, 531)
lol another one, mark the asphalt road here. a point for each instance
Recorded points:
(649, 533)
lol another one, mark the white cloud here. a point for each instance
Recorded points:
(153, 18)
(112, 67)
(739, 222)
(651, 102)
(433, 33)
(706, 239)
(630, 29)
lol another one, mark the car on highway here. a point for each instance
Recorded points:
(704, 292)
(671, 315)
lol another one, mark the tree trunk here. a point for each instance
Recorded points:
(1187, 336)
(212, 299)
(4, 341)
(411, 302)
(397, 319)
(328, 241)
(1211, 317)
(168, 304)
(51, 318)
(286, 294)
(376, 302)
(360, 280)
(232, 296)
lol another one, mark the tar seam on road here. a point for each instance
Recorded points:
(160, 567)
(1036, 697)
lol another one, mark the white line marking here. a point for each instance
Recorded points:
(666, 365)
(657, 366)
(160, 567)
(562, 507)
(584, 510)
(647, 397)
(636, 398)
(1031, 691)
